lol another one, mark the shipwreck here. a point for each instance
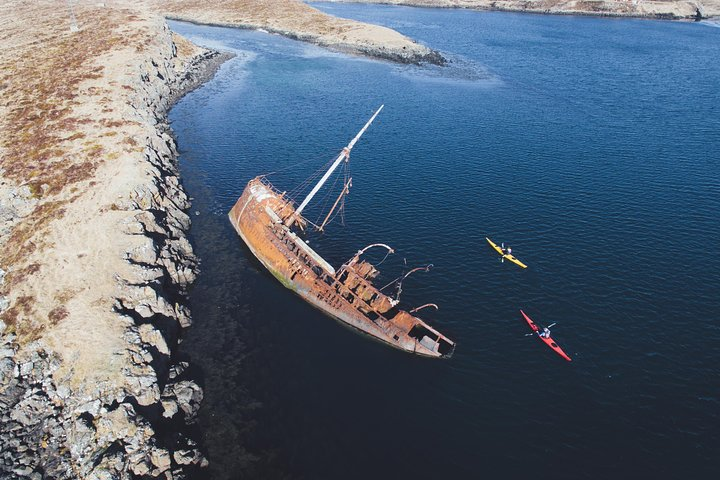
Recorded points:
(271, 225)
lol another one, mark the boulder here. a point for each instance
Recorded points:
(160, 458)
(170, 407)
(188, 395)
(153, 337)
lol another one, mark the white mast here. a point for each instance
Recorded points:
(343, 155)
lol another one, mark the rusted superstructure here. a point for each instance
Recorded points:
(264, 218)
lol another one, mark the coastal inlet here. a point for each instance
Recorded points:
(585, 144)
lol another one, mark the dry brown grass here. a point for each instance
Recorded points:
(291, 14)
(74, 120)
(22, 306)
(57, 314)
(184, 47)
(18, 276)
(20, 244)
(41, 131)
(46, 84)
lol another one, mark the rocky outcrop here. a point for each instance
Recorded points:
(33, 423)
(47, 433)
(658, 9)
(56, 420)
(297, 20)
(417, 54)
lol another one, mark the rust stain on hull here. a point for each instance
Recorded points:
(348, 295)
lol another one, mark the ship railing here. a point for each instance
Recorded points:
(263, 179)
(333, 281)
(282, 195)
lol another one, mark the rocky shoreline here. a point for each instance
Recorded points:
(298, 21)
(56, 421)
(650, 9)
(415, 56)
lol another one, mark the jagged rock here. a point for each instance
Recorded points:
(92, 407)
(161, 459)
(132, 337)
(149, 275)
(29, 411)
(149, 223)
(170, 408)
(120, 427)
(141, 357)
(187, 457)
(12, 443)
(146, 302)
(181, 221)
(144, 389)
(131, 226)
(102, 474)
(183, 315)
(142, 198)
(188, 395)
(80, 436)
(152, 336)
(63, 392)
(16, 204)
(177, 370)
(7, 368)
(26, 369)
(139, 465)
(22, 471)
(144, 254)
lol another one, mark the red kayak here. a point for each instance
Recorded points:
(549, 341)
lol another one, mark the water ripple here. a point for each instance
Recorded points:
(587, 145)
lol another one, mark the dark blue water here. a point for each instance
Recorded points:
(590, 145)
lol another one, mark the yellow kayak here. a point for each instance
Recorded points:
(505, 255)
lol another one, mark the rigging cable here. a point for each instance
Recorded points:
(310, 180)
(345, 190)
(384, 258)
(326, 199)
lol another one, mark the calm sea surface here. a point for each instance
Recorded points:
(590, 145)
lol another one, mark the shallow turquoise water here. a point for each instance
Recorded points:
(590, 145)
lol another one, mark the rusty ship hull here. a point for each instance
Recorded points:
(260, 218)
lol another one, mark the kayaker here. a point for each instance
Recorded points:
(545, 333)
(506, 250)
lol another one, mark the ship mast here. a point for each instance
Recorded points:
(344, 155)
